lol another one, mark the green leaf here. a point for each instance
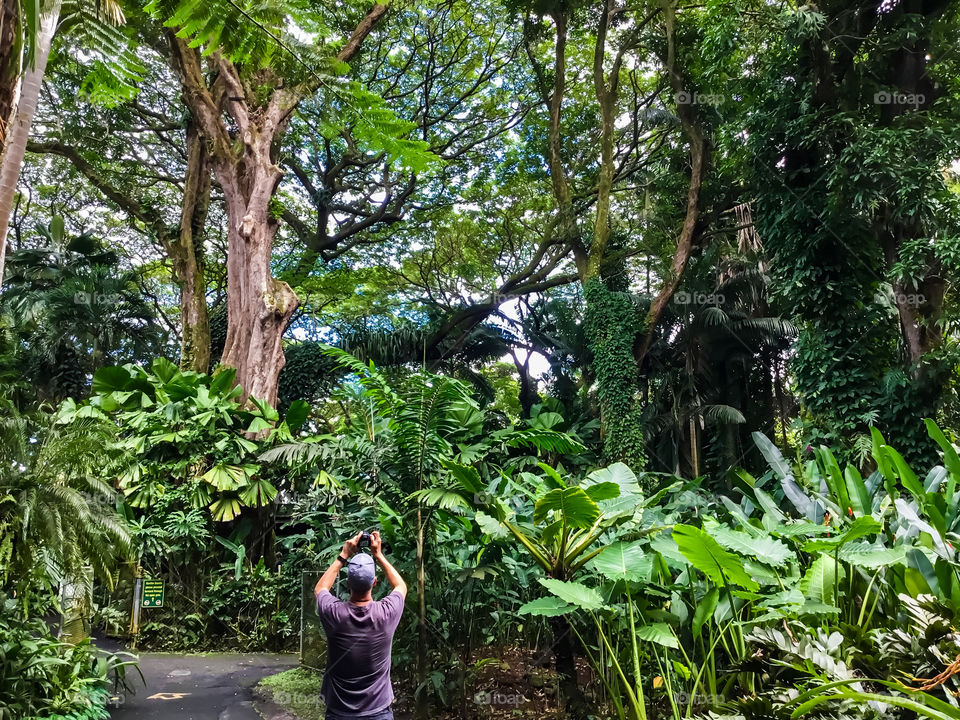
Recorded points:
(574, 593)
(258, 493)
(950, 458)
(572, 504)
(225, 509)
(820, 580)
(549, 606)
(869, 556)
(861, 527)
(781, 469)
(706, 554)
(766, 549)
(297, 414)
(603, 491)
(705, 609)
(623, 561)
(110, 378)
(224, 477)
(491, 526)
(659, 633)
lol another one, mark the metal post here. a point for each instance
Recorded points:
(135, 612)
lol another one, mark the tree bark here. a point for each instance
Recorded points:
(186, 254)
(9, 63)
(242, 154)
(19, 130)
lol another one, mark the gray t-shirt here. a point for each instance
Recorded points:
(359, 644)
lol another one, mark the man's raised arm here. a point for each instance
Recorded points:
(393, 577)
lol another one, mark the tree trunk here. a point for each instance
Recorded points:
(186, 253)
(18, 131)
(575, 704)
(9, 64)
(258, 306)
(242, 155)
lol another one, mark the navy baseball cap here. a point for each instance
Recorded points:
(361, 572)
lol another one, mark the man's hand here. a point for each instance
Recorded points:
(351, 546)
(375, 543)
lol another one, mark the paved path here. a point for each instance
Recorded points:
(216, 686)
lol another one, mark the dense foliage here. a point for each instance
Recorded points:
(631, 325)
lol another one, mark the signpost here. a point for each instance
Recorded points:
(152, 596)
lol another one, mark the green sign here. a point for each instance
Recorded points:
(152, 593)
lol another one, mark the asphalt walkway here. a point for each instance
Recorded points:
(214, 686)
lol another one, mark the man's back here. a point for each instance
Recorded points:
(359, 642)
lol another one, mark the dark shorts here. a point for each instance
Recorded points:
(382, 715)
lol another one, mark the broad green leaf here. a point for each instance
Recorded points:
(258, 493)
(766, 549)
(950, 458)
(491, 526)
(820, 580)
(110, 378)
(225, 509)
(781, 469)
(707, 555)
(297, 414)
(623, 561)
(861, 527)
(603, 491)
(549, 606)
(617, 473)
(572, 504)
(869, 556)
(224, 477)
(582, 596)
(659, 633)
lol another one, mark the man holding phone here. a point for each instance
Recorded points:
(356, 684)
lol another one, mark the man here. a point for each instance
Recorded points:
(356, 684)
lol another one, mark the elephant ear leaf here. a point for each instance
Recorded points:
(571, 504)
(574, 593)
(708, 556)
(549, 606)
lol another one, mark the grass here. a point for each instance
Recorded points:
(296, 690)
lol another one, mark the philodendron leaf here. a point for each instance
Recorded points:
(623, 561)
(574, 593)
(659, 633)
(709, 557)
(549, 606)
